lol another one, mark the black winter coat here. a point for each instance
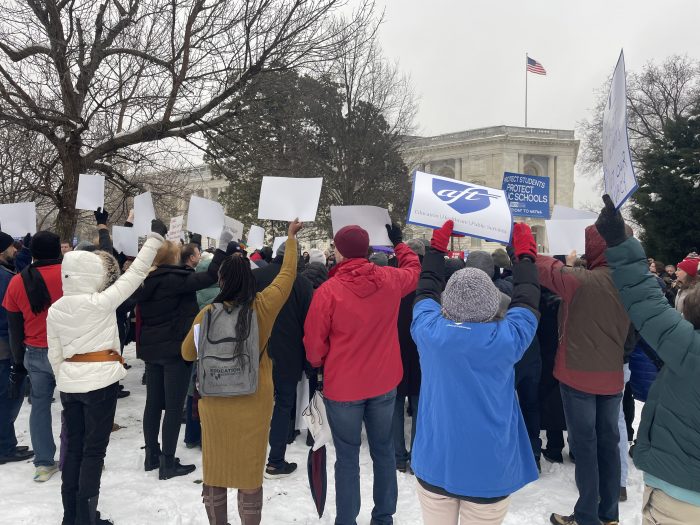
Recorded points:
(286, 344)
(551, 408)
(167, 305)
(317, 273)
(410, 383)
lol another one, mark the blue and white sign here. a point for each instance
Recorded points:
(476, 210)
(528, 196)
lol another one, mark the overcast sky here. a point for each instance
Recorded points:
(466, 58)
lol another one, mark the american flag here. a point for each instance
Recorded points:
(533, 66)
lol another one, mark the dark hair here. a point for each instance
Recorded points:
(691, 306)
(238, 287)
(659, 267)
(188, 250)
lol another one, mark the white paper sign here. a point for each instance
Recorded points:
(373, 219)
(235, 226)
(563, 213)
(289, 198)
(18, 219)
(618, 172)
(279, 241)
(125, 240)
(91, 192)
(476, 210)
(563, 236)
(175, 229)
(144, 213)
(205, 217)
(256, 238)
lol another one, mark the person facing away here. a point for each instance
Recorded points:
(351, 331)
(84, 353)
(235, 429)
(668, 439)
(593, 327)
(27, 301)
(467, 362)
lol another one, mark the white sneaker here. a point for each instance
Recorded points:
(44, 473)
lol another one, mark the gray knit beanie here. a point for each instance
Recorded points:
(481, 260)
(417, 246)
(379, 258)
(470, 297)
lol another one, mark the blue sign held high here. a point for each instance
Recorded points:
(528, 195)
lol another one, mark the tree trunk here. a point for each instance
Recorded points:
(67, 218)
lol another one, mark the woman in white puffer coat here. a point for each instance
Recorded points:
(84, 353)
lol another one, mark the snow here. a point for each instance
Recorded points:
(130, 496)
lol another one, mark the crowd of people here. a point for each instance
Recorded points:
(482, 353)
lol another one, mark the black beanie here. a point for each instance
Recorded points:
(45, 246)
(5, 241)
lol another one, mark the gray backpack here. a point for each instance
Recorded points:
(219, 372)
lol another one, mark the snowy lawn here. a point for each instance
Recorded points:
(130, 496)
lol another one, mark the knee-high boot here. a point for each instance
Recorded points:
(250, 507)
(214, 499)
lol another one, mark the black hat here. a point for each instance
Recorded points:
(5, 241)
(45, 245)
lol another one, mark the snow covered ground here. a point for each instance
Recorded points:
(130, 496)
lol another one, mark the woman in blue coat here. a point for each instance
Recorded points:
(472, 448)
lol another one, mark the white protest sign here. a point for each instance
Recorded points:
(175, 229)
(235, 226)
(144, 213)
(18, 219)
(618, 172)
(370, 218)
(256, 238)
(564, 213)
(205, 217)
(279, 241)
(563, 236)
(476, 210)
(288, 198)
(125, 240)
(91, 192)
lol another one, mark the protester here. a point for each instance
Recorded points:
(669, 432)
(190, 256)
(316, 256)
(167, 304)
(27, 300)
(593, 326)
(316, 272)
(467, 472)
(351, 331)
(83, 340)
(686, 279)
(235, 428)
(9, 404)
(286, 349)
(66, 247)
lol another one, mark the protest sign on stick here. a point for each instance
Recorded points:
(205, 217)
(91, 192)
(18, 219)
(372, 219)
(144, 213)
(476, 210)
(289, 198)
(256, 238)
(528, 195)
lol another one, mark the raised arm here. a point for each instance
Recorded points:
(553, 274)
(409, 264)
(432, 276)
(105, 241)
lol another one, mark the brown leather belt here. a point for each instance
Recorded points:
(101, 356)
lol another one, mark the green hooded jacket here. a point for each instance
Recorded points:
(207, 295)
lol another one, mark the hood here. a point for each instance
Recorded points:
(595, 248)
(88, 272)
(360, 276)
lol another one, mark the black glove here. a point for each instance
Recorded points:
(27, 240)
(158, 227)
(395, 235)
(101, 216)
(17, 375)
(610, 224)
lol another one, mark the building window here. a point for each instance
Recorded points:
(532, 168)
(446, 171)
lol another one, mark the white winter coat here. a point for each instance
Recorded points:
(84, 319)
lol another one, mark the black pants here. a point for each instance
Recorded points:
(527, 384)
(89, 418)
(285, 405)
(166, 390)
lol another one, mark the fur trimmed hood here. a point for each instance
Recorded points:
(85, 272)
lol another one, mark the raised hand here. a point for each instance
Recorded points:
(610, 223)
(441, 236)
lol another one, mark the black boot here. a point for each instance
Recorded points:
(69, 508)
(152, 460)
(170, 467)
(88, 513)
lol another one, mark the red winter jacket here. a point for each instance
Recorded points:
(351, 331)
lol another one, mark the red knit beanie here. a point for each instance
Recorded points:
(352, 242)
(689, 265)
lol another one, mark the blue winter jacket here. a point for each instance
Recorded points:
(472, 440)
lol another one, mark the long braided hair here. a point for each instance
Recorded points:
(238, 287)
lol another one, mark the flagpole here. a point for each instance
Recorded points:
(525, 89)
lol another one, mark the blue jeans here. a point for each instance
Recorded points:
(345, 418)
(36, 361)
(9, 408)
(592, 423)
(403, 455)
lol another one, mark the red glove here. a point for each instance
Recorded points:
(523, 241)
(441, 237)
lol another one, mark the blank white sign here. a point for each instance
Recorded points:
(205, 217)
(372, 219)
(256, 238)
(567, 235)
(18, 219)
(125, 240)
(144, 213)
(288, 198)
(91, 192)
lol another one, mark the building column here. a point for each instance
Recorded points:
(427, 167)
(551, 173)
(458, 168)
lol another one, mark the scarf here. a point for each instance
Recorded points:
(37, 292)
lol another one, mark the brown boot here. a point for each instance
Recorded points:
(214, 499)
(250, 507)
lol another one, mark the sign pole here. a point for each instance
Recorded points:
(525, 89)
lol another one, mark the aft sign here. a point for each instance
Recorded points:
(476, 210)
(528, 196)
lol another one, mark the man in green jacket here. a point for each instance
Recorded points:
(668, 444)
